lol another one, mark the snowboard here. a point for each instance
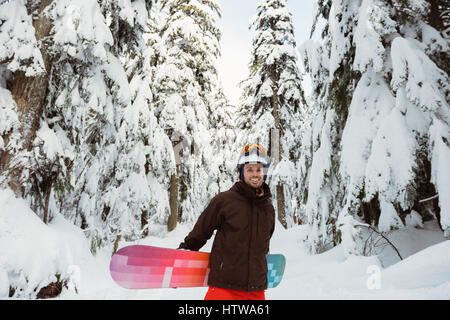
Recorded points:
(146, 267)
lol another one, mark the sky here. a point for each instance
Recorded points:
(236, 42)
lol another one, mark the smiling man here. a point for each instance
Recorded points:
(244, 218)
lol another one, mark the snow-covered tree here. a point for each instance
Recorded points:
(399, 151)
(145, 150)
(19, 50)
(383, 116)
(273, 98)
(329, 64)
(24, 64)
(184, 90)
(88, 96)
(149, 143)
(88, 142)
(224, 143)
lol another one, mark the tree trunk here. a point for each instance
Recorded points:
(281, 206)
(434, 17)
(276, 146)
(48, 191)
(144, 223)
(116, 244)
(29, 93)
(173, 201)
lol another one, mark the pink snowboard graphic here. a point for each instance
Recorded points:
(146, 267)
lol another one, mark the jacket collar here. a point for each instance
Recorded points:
(250, 192)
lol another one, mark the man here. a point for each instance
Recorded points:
(244, 218)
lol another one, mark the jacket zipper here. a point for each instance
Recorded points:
(250, 244)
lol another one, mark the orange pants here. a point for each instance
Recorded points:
(215, 293)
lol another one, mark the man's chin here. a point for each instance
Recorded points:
(255, 185)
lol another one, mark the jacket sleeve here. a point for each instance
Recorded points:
(272, 227)
(209, 220)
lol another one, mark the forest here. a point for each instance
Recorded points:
(113, 117)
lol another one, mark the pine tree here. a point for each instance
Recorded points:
(418, 101)
(273, 98)
(224, 143)
(330, 64)
(99, 111)
(147, 137)
(390, 118)
(124, 203)
(25, 67)
(145, 149)
(184, 89)
(83, 110)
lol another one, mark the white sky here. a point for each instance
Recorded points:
(236, 39)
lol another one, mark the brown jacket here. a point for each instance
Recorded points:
(244, 224)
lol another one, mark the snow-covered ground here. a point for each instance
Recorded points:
(33, 251)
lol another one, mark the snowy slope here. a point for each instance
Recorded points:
(410, 240)
(331, 276)
(427, 268)
(29, 249)
(32, 253)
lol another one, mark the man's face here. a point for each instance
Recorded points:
(254, 174)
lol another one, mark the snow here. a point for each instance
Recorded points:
(52, 147)
(390, 167)
(430, 268)
(317, 206)
(17, 36)
(369, 49)
(414, 219)
(34, 251)
(413, 66)
(441, 170)
(347, 225)
(388, 218)
(8, 115)
(80, 20)
(371, 103)
(342, 17)
(408, 241)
